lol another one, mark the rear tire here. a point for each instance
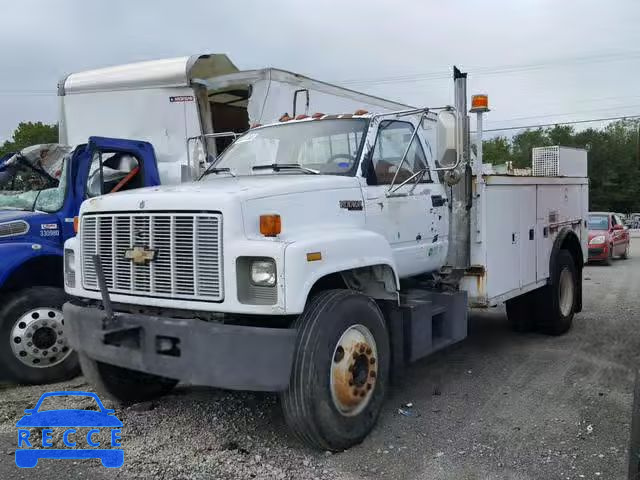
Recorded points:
(559, 299)
(33, 344)
(340, 370)
(122, 384)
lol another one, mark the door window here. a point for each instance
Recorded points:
(391, 143)
(120, 171)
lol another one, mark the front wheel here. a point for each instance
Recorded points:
(35, 349)
(340, 370)
(558, 300)
(124, 385)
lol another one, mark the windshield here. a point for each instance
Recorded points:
(24, 186)
(598, 222)
(327, 146)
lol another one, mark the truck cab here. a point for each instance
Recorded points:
(41, 189)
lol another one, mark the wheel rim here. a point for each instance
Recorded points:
(566, 292)
(354, 369)
(38, 338)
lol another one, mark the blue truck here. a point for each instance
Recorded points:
(40, 195)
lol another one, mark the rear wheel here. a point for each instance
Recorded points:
(340, 370)
(558, 300)
(122, 384)
(35, 348)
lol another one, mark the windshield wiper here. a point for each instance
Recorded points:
(276, 167)
(217, 170)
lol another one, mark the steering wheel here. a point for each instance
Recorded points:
(338, 156)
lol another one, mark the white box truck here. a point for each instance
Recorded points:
(316, 258)
(176, 104)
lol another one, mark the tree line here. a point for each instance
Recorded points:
(27, 134)
(613, 159)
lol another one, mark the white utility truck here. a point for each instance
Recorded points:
(315, 258)
(178, 104)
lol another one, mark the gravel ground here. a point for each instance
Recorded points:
(497, 406)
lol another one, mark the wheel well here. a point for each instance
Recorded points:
(572, 245)
(568, 240)
(43, 271)
(376, 281)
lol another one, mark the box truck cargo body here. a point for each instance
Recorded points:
(173, 103)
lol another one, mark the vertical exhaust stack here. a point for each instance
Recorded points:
(460, 193)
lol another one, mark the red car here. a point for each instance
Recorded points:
(608, 237)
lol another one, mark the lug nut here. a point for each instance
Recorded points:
(369, 351)
(372, 374)
(368, 386)
(355, 355)
(361, 348)
(372, 360)
(351, 383)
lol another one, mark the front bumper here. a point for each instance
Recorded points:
(190, 350)
(598, 253)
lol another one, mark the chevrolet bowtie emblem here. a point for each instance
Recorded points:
(140, 255)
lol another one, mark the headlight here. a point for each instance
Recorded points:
(69, 268)
(263, 273)
(597, 240)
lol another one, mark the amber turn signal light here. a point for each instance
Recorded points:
(270, 225)
(76, 222)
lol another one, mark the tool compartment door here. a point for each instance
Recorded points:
(503, 239)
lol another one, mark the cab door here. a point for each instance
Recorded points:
(411, 216)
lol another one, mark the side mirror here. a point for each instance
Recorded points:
(446, 139)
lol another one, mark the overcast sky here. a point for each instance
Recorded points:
(539, 60)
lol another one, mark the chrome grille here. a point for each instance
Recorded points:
(188, 254)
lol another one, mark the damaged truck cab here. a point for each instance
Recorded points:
(41, 189)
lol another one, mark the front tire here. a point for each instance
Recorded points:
(625, 255)
(609, 259)
(34, 346)
(124, 385)
(340, 370)
(559, 299)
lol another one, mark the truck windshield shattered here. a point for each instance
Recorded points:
(34, 180)
(329, 147)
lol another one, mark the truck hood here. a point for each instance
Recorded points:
(303, 201)
(218, 188)
(9, 215)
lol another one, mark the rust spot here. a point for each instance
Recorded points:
(368, 386)
(369, 351)
(362, 348)
(372, 374)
